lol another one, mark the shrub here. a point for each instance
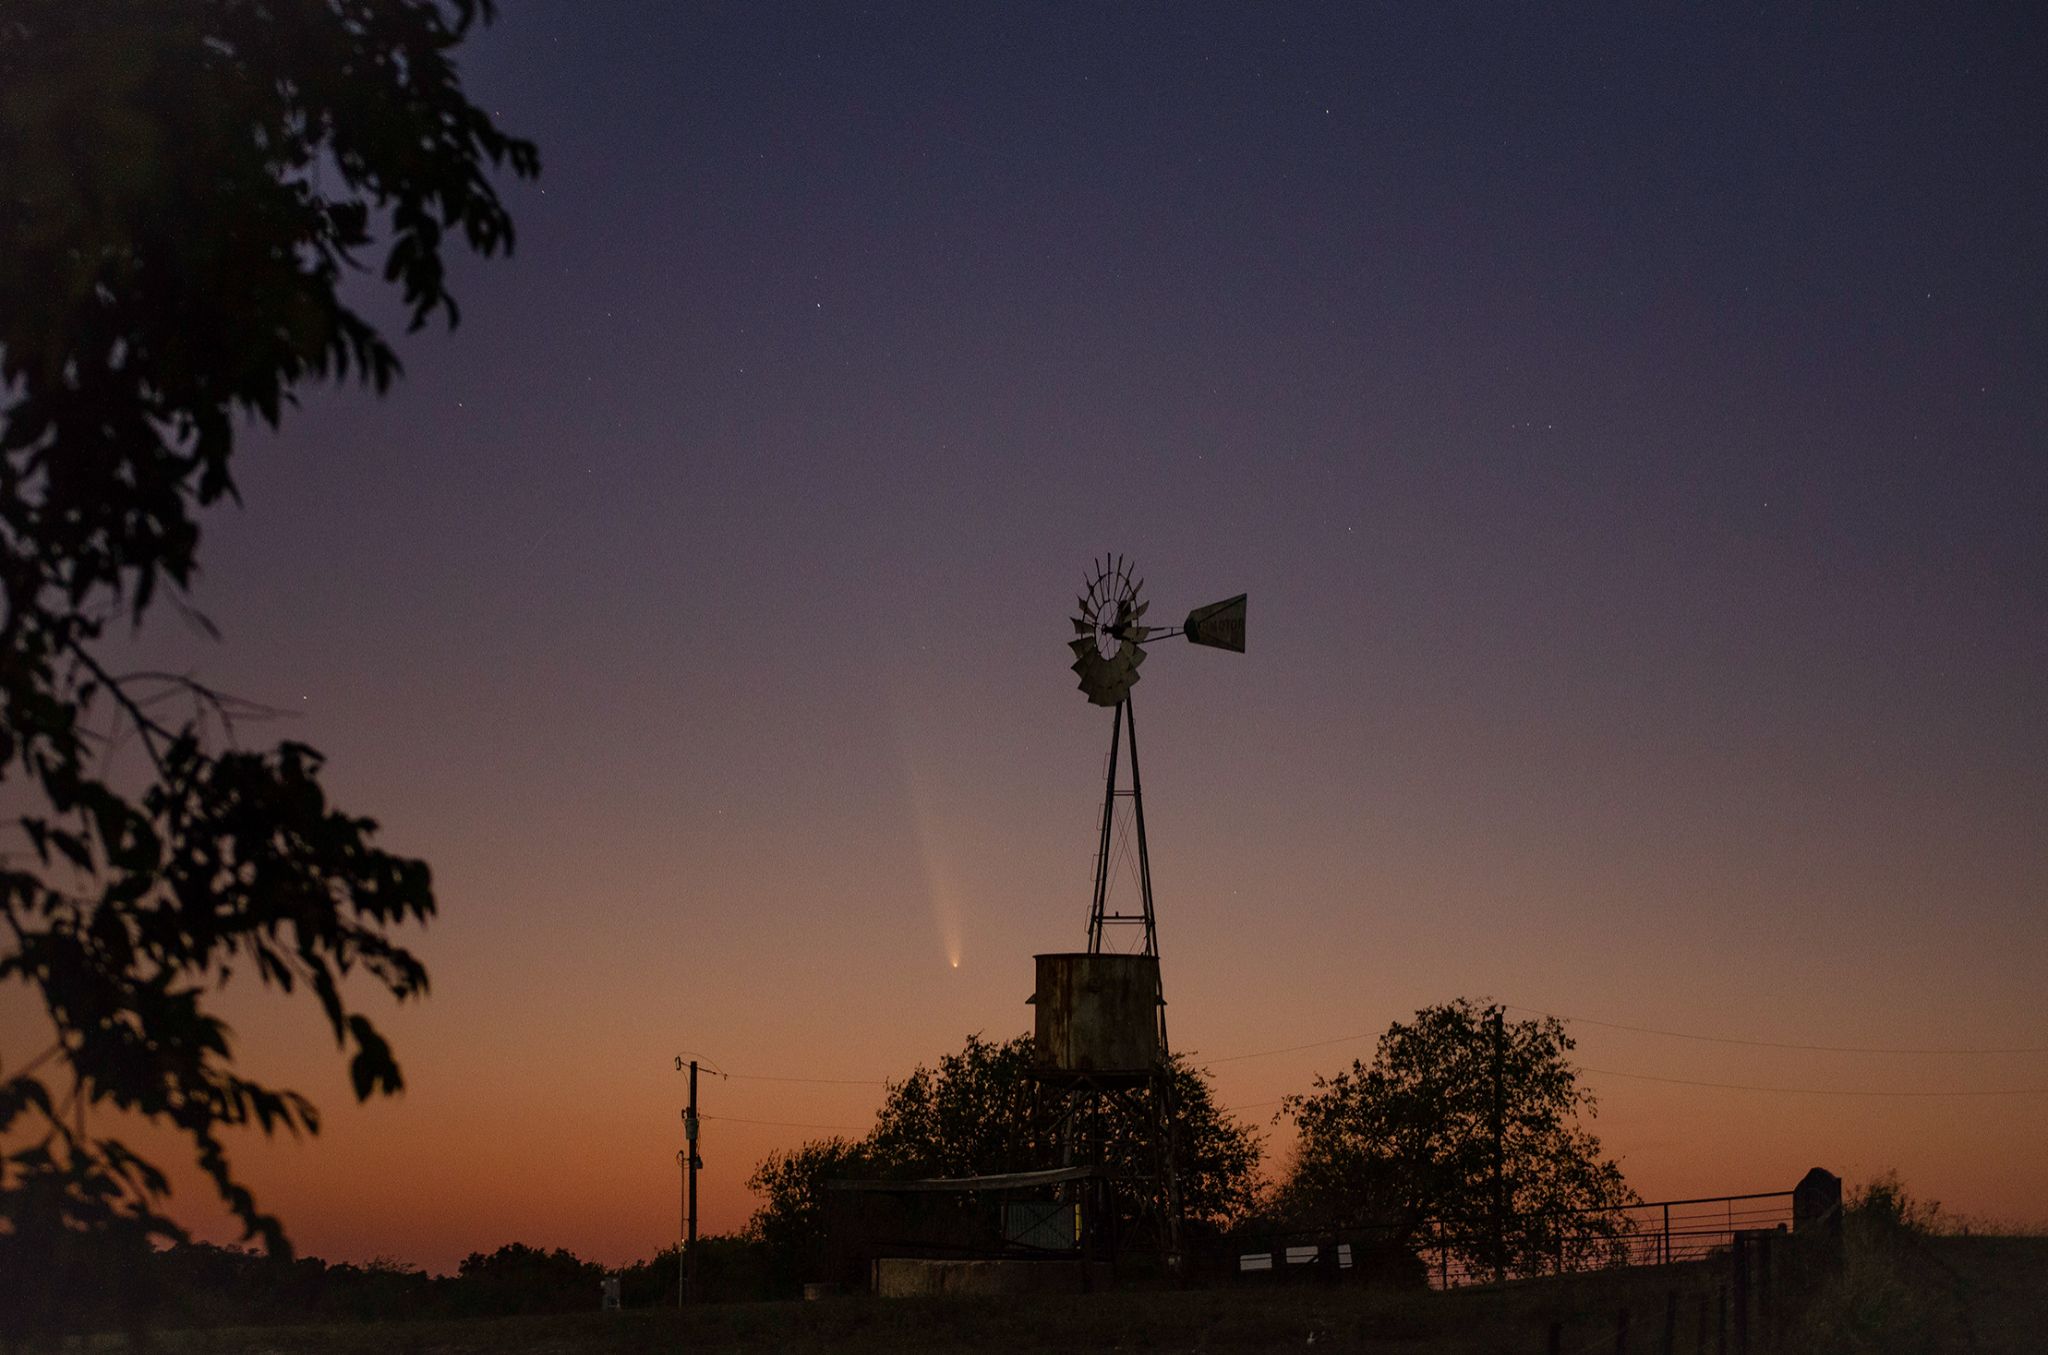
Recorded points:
(1891, 1296)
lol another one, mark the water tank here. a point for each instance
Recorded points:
(1097, 1013)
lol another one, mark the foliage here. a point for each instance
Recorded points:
(184, 187)
(1218, 1157)
(210, 1287)
(791, 1220)
(731, 1267)
(978, 1112)
(1408, 1142)
(1883, 1210)
(1892, 1294)
(517, 1278)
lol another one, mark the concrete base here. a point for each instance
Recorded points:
(905, 1277)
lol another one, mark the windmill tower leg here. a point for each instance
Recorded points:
(1162, 1087)
(1095, 911)
(1130, 718)
(1158, 1121)
(1164, 1118)
(1099, 915)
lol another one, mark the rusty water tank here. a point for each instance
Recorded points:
(1097, 1013)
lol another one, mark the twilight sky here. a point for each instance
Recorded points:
(1632, 432)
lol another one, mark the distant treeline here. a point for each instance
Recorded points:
(201, 1285)
(1383, 1150)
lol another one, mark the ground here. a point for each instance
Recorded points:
(1964, 1294)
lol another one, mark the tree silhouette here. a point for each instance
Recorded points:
(517, 1278)
(1410, 1141)
(978, 1113)
(184, 186)
(791, 1220)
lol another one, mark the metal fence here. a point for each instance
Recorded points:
(1447, 1254)
(1668, 1231)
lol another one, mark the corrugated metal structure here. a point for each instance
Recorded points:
(1021, 1218)
(1097, 1015)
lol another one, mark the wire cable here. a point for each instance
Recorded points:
(713, 1068)
(1290, 1049)
(1603, 1072)
(1816, 1091)
(1669, 1034)
(782, 1124)
(1771, 1044)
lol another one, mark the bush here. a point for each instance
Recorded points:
(1884, 1212)
(1891, 1296)
(731, 1268)
(517, 1279)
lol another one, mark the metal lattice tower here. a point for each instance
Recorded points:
(1108, 645)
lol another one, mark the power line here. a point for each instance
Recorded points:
(1768, 1044)
(1291, 1049)
(712, 1067)
(1557, 1016)
(784, 1124)
(1817, 1091)
(1668, 1034)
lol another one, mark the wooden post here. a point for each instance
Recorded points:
(1671, 1322)
(1556, 1343)
(1500, 1193)
(1721, 1321)
(690, 1137)
(1621, 1333)
(1817, 1217)
(1766, 1315)
(1739, 1259)
(1700, 1346)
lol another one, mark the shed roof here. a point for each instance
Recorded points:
(999, 1181)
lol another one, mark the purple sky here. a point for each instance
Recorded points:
(1630, 431)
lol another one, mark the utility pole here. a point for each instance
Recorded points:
(686, 1267)
(1500, 1193)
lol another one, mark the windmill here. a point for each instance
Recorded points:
(1109, 647)
(1100, 1036)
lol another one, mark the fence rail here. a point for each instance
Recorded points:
(1453, 1253)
